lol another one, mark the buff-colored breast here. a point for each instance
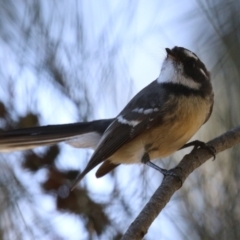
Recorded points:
(178, 126)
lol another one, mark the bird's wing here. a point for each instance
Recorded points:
(106, 167)
(144, 111)
(125, 128)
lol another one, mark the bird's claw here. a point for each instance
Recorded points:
(204, 145)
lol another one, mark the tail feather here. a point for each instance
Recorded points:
(27, 138)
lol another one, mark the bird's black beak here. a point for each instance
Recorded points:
(170, 53)
(168, 50)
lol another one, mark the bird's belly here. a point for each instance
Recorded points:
(169, 140)
(159, 142)
(173, 135)
(131, 152)
(164, 139)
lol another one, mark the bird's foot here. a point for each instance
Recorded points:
(165, 172)
(199, 144)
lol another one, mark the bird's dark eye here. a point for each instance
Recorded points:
(191, 63)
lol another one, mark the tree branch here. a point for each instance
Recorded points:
(170, 184)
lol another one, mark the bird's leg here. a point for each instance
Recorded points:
(146, 160)
(201, 144)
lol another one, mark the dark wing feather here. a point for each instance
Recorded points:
(105, 168)
(118, 133)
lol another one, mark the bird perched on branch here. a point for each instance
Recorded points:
(157, 121)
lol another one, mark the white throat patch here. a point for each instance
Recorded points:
(173, 73)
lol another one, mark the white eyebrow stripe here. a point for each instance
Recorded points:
(203, 73)
(190, 54)
(132, 123)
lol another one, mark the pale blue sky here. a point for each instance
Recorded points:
(141, 33)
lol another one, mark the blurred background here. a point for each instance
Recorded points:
(68, 61)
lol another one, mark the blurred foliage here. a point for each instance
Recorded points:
(210, 199)
(28, 120)
(34, 162)
(56, 62)
(52, 61)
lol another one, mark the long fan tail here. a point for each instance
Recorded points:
(28, 138)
